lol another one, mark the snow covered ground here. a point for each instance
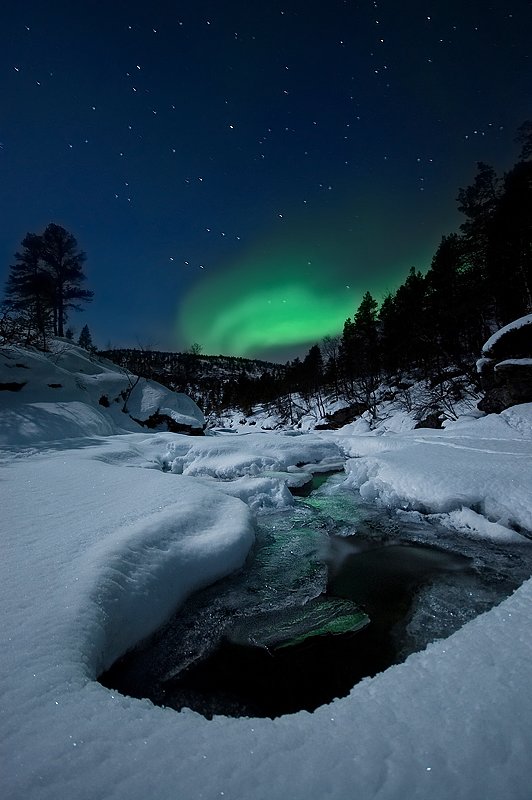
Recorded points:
(475, 474)
(106, 529)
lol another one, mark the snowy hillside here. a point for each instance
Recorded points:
(107, 528)
(69, 393)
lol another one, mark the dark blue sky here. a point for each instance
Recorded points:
(201, 152)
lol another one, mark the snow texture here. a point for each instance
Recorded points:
(104, 535)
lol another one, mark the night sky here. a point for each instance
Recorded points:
(240, 173)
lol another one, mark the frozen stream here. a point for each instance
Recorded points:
(400, 592)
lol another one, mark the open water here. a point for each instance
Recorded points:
(404, 584)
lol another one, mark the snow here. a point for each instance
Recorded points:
(104, 534)
(481, 363)
(61, 392)
(483, 465)
(514, 325)
(227, 457)
(514, 362)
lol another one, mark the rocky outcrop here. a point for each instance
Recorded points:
(166, 422)
(342, 417)
(433, 420)
(505, 368)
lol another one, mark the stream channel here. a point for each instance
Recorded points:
(334, 590)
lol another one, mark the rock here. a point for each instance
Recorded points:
(430, 421)
(166, 422)
(509, 383)
(511, 341)
(293, 626)
(505, 368)
(342, 417)
(12, 386)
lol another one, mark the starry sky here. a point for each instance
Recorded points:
(239, 173)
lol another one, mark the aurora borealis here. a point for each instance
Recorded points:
(281, 303)
(239, 174)
(291, 291)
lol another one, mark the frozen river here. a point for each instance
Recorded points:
(259, 643)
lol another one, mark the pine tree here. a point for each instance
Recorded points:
(524, 138)
(310, 373)
(405, 336)
(510, 245)
(359, 349)
(478, 203)
(64, 262)
(85, 338)
(29, 290)
(45, 282)
(443, 294)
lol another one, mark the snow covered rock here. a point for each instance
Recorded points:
(505, 368)
(511, 341)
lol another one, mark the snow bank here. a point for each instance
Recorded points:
(112, 549)
(513, 362)
(483, 465)
(227, 457)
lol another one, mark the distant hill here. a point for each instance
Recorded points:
(212, 381)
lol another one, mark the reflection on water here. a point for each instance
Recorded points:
(331, 545)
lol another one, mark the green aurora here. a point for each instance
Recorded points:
(277, 302)
(286, 295)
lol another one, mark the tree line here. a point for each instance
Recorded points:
(480, 278)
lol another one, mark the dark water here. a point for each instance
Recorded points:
(330, 546)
